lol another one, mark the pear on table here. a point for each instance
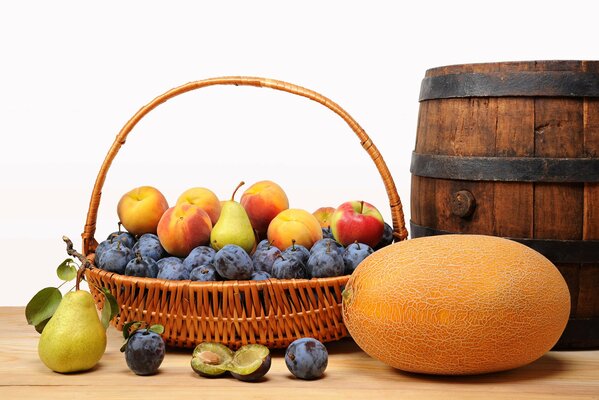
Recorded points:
(74, 339)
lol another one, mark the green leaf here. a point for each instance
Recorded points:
(127, 328)
(114, 305)
(40, 327)
(67, 270)
(106, 314)
(159, 329)
(124, 346)
(42, 306)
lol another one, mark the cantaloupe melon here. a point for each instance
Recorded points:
(456, 304)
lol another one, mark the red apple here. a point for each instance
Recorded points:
(357, 221)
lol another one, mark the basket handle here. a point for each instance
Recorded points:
(399, 229)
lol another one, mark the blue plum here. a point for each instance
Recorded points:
(354, 254)
(260, 276)
(149, 246)
(387, 238)
(172, 268)
(144, 352)
(101, 248)
(168, 260)
(124, 237)
(233, 262)
(325, 263)
(142, 267)
(264, 257)
(288, 268)
(327, 233)
(297, 251)
(263, 243)
(115, 258)
(201, 255)
(306, 358)
(204, 273)
(322, 244)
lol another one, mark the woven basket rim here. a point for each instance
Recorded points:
(120, 278)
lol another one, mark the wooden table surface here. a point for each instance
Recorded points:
(351, 374)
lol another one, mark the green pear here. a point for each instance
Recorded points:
(233, 226)
(74, 339)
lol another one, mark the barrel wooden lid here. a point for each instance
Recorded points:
(512, 79)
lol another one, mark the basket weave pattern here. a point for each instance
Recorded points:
(273, 312)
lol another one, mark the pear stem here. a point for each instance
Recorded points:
(236, 189)
(74, 253)
(85, 263)
(79, 277)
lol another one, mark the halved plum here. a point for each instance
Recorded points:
(250, 363)
(211, 359)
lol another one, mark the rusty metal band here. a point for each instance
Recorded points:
(506, 169)
(557, 251)
(506, 84)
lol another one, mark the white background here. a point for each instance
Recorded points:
(72, 73)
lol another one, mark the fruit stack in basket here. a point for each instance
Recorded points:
(204, 239)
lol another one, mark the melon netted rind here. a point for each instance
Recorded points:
(456, 304)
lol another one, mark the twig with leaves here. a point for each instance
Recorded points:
(42, 306)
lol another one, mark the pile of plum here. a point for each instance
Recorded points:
(123, 254)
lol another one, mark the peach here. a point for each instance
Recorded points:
(203, 198)
(323, 215)
(263, 201)
(294, 224)
(183, 228)
(140, 209)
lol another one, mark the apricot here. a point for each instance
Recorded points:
(294, 225)
(203, 198)
(140, 209)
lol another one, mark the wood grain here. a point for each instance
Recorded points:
(351, 374)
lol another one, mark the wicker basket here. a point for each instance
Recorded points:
(273, 312)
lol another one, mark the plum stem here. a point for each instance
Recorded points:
(361, 206)
(292, 244)
(236, 189)
(119, 224)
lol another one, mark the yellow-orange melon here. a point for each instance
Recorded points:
(456, 304)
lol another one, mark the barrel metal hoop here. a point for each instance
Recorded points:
(557, 251)
(506, 169)
(506, 84)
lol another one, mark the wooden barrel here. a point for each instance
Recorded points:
(512, 150)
